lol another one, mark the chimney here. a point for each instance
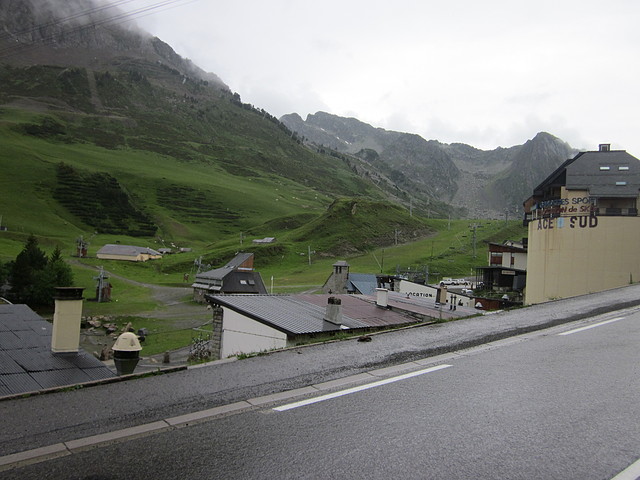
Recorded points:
(334, 311)
(382, 297)
(65, 337)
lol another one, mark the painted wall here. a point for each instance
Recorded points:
(427, 292)
(576, 255)
(241, 334)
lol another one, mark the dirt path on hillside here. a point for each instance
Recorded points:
(173, 302)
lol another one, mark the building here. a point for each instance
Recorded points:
(255, 323)
(584, 227)
(34, 355)
(507, 269)
(129, 253)
(341, 281)
(237, 276)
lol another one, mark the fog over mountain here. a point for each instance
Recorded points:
(123, 65)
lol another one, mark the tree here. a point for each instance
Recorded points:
(34, 276)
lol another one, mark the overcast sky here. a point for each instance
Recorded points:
(487, 73)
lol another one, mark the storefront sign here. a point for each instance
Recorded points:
(583, 221)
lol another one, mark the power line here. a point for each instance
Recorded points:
(119, 18)
(57, 21)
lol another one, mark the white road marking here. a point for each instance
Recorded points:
(360, 388)
(632, 472)
(569, 332)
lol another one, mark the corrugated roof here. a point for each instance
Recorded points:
(27, 363)
(287, 313)
(128, 250)
(303, 314)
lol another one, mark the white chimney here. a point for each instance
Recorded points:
(382, 297)
(65, 337)
(334, 311)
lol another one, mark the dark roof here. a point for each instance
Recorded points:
(605, 174)
(584, 172)
(222, 272)
(27, 363)
(363, 283)
(503, 247)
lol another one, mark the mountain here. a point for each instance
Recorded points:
(110, 135)
(485, 184)
(83, 34)
(412, 162)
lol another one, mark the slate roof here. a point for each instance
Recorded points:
(27, 363)
(583, 172)
(233, 278)
(363, 283)
(303, 314)
(586, 172)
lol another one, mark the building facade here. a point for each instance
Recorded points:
(583, 227)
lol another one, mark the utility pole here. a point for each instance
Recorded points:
(474, 227)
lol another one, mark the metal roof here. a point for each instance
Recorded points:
(287, 313)
(128, 250)
(27, 363)
(304, 314)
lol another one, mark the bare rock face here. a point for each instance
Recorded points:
(81, 33)
(483, 183)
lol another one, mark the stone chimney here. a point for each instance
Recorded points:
(382, 297)
(65, 337)
(334, 311)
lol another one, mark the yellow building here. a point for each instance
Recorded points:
(584, 229)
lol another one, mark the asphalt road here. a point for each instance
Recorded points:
(561, 403)
(68, 416)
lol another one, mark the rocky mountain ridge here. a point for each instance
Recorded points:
(485, 183)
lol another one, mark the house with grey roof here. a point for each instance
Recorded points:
(28, 362)
(129, 253)
(255, 323)
(236, 277)
(342, 281)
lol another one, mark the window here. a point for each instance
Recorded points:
(604, 168)
(623, 167)
(621, 183)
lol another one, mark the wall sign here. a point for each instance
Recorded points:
(582, 221)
